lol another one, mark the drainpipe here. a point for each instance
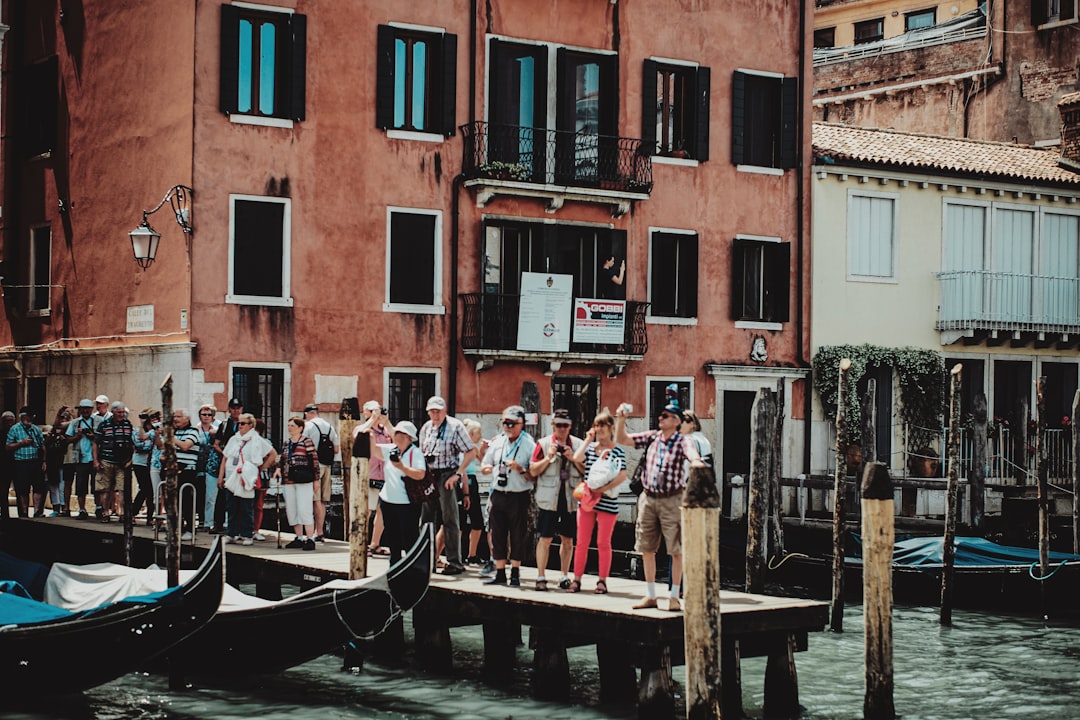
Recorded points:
(808, 393)
(455, 223)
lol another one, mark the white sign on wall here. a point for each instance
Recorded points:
(544, 313)
(140, 318)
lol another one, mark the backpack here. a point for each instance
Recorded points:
(325, 449)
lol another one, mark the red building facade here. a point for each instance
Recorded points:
(378, 187)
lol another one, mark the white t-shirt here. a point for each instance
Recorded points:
(393, 489)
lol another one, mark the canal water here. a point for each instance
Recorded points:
(985, 666)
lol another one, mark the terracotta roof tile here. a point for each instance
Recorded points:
(934, 152)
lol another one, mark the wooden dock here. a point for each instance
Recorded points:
(625, 639)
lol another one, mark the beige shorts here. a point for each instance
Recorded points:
(324, 484)
(109, 477)
(656, 518)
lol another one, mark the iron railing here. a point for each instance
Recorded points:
(490, 322)
(556, 157)
(985, 300)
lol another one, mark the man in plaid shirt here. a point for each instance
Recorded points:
(659, 512)
(448, 450)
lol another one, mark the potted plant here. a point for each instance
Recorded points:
(499, 170)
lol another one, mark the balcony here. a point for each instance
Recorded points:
(490, 327)
(1001, 305)
(556, 166)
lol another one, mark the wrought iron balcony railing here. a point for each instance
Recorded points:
(556, 157)
(490, 322)
(984, 300)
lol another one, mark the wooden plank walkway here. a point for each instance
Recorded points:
(649, 640)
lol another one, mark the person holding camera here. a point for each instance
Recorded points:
(403, 462)
(448, 449)
(508, 458)
(556, 474)
(80, 433)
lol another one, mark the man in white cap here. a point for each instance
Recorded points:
(320, 431)
(80, 433)
(448, 450)
(511, 492)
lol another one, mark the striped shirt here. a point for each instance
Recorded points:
(665, 463)
(34, 451)
(617, 456)
(186, 459)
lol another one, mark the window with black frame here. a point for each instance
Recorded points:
(263, 63)
(408, 393)
(416, 80)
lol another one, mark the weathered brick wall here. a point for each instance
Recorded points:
(864, 73)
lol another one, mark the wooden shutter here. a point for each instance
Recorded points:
(384, 78)
(298, 79)
(777, 279)
(230, 58)
(738, 118)
(701, 119)
(648, 107)
(448, 98)
(789, 122)
(738, 284)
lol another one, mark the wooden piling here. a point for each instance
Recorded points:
(948, 551)
(878, 536)
(764, 422)
(701, 615)
(776, 511)
(1075, 473)
(977, 474)
(1041, 477)
(836, 619)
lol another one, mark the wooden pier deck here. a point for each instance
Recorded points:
(626, 640)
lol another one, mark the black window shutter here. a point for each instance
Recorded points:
(648, 107)
(789, 122)
(738, 118)
(1039, 10)
(688, 275)
(449, 85)
(701, 121)
(299, 66)
(738, 282)
(230, 58)
(777, 281)
(384, 80)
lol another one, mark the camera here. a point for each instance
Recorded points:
(395, 455)
(502, 478)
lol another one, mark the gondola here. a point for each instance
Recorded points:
(250, 635)
(40, 642)
(987, 576)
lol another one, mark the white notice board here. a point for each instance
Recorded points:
(544, 313)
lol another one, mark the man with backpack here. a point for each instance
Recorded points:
(327, 447)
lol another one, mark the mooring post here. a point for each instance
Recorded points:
(878, 536)
(1075, 473)
(977, 474)
(761, 450)
(948, 551)
(836, 620)
(701, 616)
(1040, 475)
(656, 691)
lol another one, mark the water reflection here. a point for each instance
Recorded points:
(985, 666)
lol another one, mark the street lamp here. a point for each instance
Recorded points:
(144, 239)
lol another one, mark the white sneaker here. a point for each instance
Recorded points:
(186, 536)
(259, 537)
(249, 541)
